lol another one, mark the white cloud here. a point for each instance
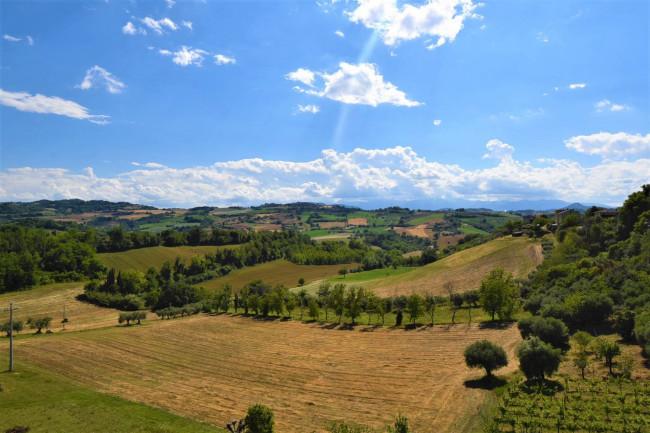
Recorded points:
(165, 52)
(220, 59)
(542, 37)
(396, 174)
(30, 40)
(577, 86)
(11, 38)
(38, 103)
(309, 109)
(170, 3)
(439, 18)
(437, 122)
(97, 76)
(157, 25)
(187, 56)
(187, 24)
(498, 150)
(607, 105)
(129, 29)
(305, 76)
(612, 146)
(339, 34)
(149, 165)
(353, 84)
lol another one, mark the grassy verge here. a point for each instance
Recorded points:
(43, 402)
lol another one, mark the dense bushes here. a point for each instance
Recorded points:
(31, 256)
(549, 330)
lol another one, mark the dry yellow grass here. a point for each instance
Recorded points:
(358, 222)
(464, 269)
(421, 231)
(48, 301)
(211, 368)
(445, 241)
(331, 225)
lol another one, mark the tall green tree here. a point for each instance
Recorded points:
(537, 359)
(499, 294)
(414, 307)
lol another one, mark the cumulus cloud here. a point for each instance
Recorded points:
(577, 86)
(612, 146)
(309, 109)
(170, 3)
(396, 174)
(436, 18)
(353, 84)
(305, 76)
(98, 77)
(339, 34)
(187, 56)
(158, 26)
(38, 103)
(220, 59)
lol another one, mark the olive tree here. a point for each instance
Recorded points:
(487, 355)
(537, 359)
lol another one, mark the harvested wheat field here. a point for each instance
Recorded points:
(331, 225)
(48, 301)
(420, 231)
(464, 269)
(358, 222)
(211, 368)
(449, 240)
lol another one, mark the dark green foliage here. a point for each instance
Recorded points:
(259, 419)
(35, 256)
(401, 425)
(39, 323)
(623, 323)
(390, 240)
(548, 329)
(642, 331)
(487, 355)
(537, 359)
(609, 350)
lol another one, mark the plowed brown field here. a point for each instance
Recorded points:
(211, 368)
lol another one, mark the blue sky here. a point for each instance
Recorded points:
(368, 102)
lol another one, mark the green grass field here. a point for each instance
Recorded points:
(274, 273)
(38, 399)
(141, 259)
(469, 230)
(426, 218)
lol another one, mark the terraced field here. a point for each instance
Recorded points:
(141, 259)
(211, 368)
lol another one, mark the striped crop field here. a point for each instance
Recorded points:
(142, 258)
(49, 301)
(276, 272)
(211, 368)
(464, 269)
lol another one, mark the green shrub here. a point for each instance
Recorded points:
(259, 419)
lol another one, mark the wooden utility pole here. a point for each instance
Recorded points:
(64, 319)
(11, 334)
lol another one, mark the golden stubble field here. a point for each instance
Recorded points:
(211, 368)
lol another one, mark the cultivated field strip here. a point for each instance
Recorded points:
(211, 368)
(49, 301)
(465, 269)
